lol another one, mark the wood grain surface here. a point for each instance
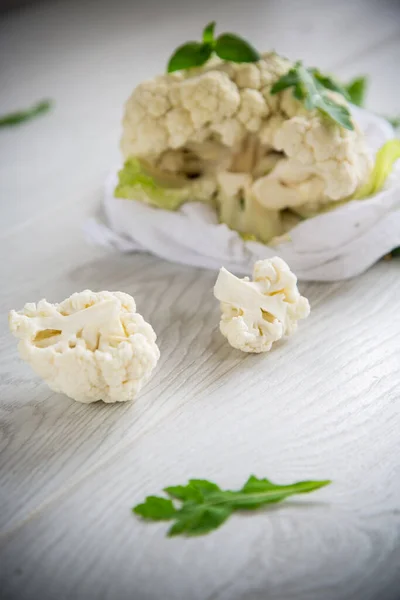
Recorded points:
(324, 404)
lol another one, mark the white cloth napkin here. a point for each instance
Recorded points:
(333, 246)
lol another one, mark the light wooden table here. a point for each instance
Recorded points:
(323, 405)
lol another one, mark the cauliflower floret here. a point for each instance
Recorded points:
(296, 158)
(92, 346)
(257, 313)
(335, 155)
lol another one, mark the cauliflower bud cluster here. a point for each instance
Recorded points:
(92, 346)
(216, 134)
(257, 313)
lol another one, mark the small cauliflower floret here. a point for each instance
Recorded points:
(257, 313)
(92, 346)
(292, 158)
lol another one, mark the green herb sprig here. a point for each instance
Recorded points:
(310, 87)
(21, 116)
(227, 46)
(204, 506)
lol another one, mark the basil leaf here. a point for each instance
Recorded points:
(356, 90)
(208, 33)
(232, 47)
(192, 54)
(21, 116)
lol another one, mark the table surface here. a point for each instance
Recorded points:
(325, 404)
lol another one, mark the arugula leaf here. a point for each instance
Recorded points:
(356, 90)
(199, 519)
(309, 86)
(231, 47)
(156, 509)
(21, 116)
(227, 46)
(192, 54)
(205, 507)
(330, 83)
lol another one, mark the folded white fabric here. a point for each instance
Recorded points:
(332, 246)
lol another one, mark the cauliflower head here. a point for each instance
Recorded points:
(92, 346)
(216, 134)
(257, 313)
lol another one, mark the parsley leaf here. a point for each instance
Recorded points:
(205, 507)
(227, 46)
(309, 86)
(21, 116)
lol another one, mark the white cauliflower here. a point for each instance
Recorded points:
(190, 132)
(92, 346)
(257, 313)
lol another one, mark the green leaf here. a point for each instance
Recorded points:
(330, 83)
(192, 54)
(232, 47)
(204, 486)
(21, 116)
(336, 112)
(288, 80)
(308, 87)
(184, 493)
(385, 159)
(356, 90)
(200, 519)
(196, 490)
(156, 509)
(208, 33)
(395, 252)
(135, 183)
(205, 507)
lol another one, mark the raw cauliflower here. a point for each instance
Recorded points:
(195, 135)
(92, 346)
(257, 313)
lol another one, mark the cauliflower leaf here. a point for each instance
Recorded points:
(134, 183)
